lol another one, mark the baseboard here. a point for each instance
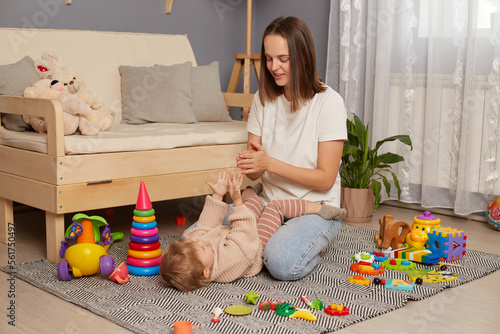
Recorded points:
(441, 211)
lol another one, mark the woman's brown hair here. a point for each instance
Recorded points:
(304, 81)
(181, 267)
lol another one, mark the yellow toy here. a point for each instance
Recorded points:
(425, 222)
(358, 279)
(431, 276)
(87, 256)
(417, 239)
(303, 314)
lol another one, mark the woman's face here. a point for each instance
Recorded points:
(278, 60)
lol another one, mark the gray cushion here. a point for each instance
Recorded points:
(154, 94)
(208, 102)
(14, 78)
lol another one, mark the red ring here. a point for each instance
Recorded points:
(144, 247)
(133, 261)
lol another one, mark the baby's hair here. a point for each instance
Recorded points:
(181, 268)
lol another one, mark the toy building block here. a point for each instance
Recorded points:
(413, 254)
(399, 284)
(448, 243)
(390, 235)
(358, 279)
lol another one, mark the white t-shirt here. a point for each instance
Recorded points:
(293, 139)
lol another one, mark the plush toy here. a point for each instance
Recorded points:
(94, 119)
(72, 106)
(47, 64)
(98, 118)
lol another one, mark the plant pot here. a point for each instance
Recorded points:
(359, 204)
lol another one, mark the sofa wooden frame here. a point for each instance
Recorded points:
(58, 183)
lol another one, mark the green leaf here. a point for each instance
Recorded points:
(349, 149)
(388, 158)
(396, 184)
(405, 139)
(387, 186)
(376, 188)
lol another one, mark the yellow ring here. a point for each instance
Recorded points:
(147, 219)
(144, 255)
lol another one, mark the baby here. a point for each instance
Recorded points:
(211, 251)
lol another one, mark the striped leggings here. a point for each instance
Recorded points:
(271, 217)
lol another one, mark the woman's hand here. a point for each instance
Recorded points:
(253, 161)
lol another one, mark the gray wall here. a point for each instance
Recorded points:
(216, 28)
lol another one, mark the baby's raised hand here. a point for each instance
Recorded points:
(235, 187)
(220, 188)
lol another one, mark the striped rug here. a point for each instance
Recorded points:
(144, 305)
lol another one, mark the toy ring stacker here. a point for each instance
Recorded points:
(144, 233)
(143, 271)
(144, 247)
(147, 219)
(144, 262)
(144, 240)
(144, 226)
(144, 255)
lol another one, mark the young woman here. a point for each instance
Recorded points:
(297, 127)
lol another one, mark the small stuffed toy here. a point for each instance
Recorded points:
(47, 64)
(92, 120)
(72, 106)
(99, 118)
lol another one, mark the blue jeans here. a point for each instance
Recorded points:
(293, 251)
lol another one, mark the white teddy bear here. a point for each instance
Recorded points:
(72, 106)
(97, 117)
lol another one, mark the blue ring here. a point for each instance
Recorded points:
(144, 240)
(143, 271)
(144, 226)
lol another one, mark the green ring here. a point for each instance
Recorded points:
(144, 213)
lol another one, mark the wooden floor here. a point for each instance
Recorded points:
(470, 308)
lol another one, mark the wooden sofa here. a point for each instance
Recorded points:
(61, 183)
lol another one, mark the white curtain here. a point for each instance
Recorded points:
(429, 69)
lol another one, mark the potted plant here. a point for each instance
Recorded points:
(363, 170)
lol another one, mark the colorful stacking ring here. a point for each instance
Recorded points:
(144, 233)
(145, 240)
(144, 226)
(143, 271)
(144, 213)
(147, 219)
(144, 262)
(144, 247)
(144, 255)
